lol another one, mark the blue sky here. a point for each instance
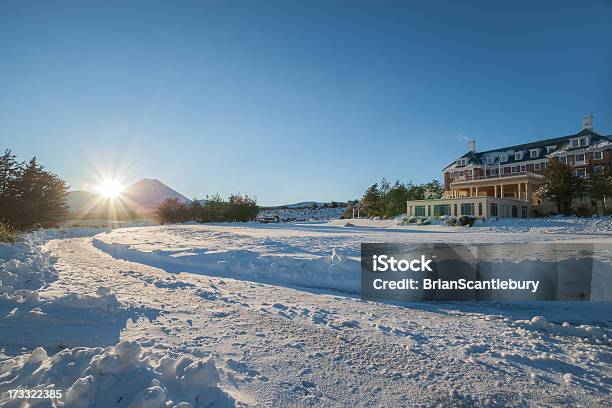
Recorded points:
(290, 100)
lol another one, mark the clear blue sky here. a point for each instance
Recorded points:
(290, 100)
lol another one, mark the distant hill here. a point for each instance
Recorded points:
(138, 199)
(147, 194)
(306, 204)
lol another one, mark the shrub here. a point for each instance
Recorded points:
(7, 234)
(466, 220)
(584, 212)
(451, 221)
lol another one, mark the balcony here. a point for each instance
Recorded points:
(466, 180)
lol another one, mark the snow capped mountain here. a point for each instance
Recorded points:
(148, 194)
(139, 198)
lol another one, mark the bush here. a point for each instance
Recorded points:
(584, 212)
(451, 221)
(7, 234)
(466, 220)
(215, 209)
(423, 221)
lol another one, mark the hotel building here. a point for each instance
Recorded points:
(504, 182)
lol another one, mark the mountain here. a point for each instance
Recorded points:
(139, 198)
(80, 200)
(147, 194)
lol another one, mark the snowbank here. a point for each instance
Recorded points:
(304, 214)
(119, 376)
(335, 272)
(25, 267)
(558, 224)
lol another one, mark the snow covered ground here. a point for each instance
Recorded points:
(252, 314)
(304, 213)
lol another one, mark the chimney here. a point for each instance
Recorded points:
(472, 145)
(587, 122)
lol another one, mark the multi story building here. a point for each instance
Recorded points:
(504, 182)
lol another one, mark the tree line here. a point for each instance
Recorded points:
(238, 207)
(29, 195)
(561, 186)
(389, 200)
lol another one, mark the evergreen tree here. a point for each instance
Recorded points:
(10, 172)
(370, 202)
(598, 185)
(560, 186)
(396, 200)
(433, 190)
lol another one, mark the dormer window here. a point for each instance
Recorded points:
(534, 153)
(503, 158)
(579, 142)
(490, 160)
(550, 149)
(518, 156)
(462, 162)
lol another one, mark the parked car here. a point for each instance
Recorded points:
(267, 219)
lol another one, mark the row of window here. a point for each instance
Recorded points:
(533, 153)
(578, 159)
(469, 209)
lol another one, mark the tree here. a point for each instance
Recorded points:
(396, 200)
(433, 190)
(10, 172)
(598, 185)
(560, 186)
(172, 210)
(370, 202)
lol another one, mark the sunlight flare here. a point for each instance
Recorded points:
(110, 188)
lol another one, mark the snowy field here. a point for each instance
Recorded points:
(252, 314)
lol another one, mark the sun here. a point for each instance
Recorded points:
(110, 188)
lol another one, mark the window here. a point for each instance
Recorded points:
(455, 210)
(580, 158)
(514, 169)
(597, 155)
(581, 172)
(550, 148)
(480, 209)
(514, 211)
(503, 158)
(523, 212)
(533, 153)
(429, 210)
(574, 142)
(441, 209)
(518, 156)
(536, 167)
(490, 160)
(583, 141)
(467, 209)
(597, 168)
(493, 210)
(563, 159)
(523, 168)
(419, 210)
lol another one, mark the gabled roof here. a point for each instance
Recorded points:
(561, 143)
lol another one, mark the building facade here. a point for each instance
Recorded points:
(504, 182)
